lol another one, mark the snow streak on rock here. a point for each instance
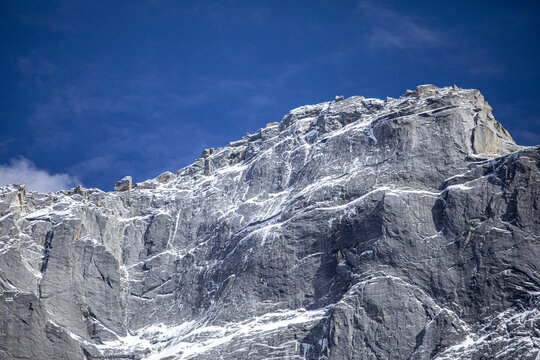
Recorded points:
(358, 228)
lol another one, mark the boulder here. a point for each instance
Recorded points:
(165, 177)
(124, 184)
(207, 152)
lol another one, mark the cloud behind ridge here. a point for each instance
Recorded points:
(23, 171)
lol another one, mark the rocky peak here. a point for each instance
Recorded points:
(470, 129)
(356, 228)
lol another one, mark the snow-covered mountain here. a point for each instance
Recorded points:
(358, 228)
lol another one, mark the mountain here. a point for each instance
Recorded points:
(357, 228)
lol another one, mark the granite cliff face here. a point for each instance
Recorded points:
(353, 229)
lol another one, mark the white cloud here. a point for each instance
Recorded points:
(24, 171)
(393, 29)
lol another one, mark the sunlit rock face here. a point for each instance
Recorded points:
(353, 229)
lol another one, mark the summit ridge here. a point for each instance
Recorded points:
(403, 228)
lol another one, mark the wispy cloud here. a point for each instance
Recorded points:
(143, 96)
(526, 137)
(253, 13)
(391, 29)
(36, 65)
(464, 50)
(520, 119)
(486, 70)
(128, 124)
(57, 16)
(24, 171)
(5, 143)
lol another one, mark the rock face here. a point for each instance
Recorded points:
(354, 229)
(124, 184)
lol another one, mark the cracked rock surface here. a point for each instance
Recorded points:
(359, 228)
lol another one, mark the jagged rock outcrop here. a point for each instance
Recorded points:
(124, 184)
(354, 229)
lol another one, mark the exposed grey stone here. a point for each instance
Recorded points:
(26, 332)
(148, 184)
(124, 184)
(421, 89)
(207, 152)
(165, 177)
(402, 228)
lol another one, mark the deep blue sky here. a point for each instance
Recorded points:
(100, 90)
